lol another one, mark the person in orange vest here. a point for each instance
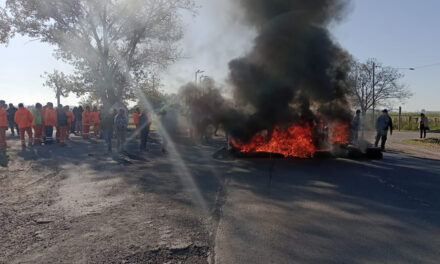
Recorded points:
(70, 120)
(136, 115)
(3, 125)
(96, 122)
(24, 119)
(86, 118)
(50, 120)
(38, 124)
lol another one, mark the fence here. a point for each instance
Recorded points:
(408, 121)
(411, 122)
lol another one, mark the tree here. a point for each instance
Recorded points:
(387, 86)
(115, 46)
(60, 83)
(5, 27)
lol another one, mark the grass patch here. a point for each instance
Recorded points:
(428, 142)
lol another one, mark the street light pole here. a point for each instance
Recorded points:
(197, 73)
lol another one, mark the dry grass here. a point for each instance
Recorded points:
(428, 142)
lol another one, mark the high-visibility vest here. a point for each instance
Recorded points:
(50, 117)
(86, 117)
(70, 117)
(3, 117)
(23, 118)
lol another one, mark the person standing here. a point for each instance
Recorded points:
(50, 120)
(38, 124)
(86, 119)
(163, 132)
(43, 132)
(70, 121)
(120, 125)
(62, 124)
(355, 125)
(11, 115)
(107, 123)
(3, 125)
(78, 119)
(75, 114)
(423, 125)
(136, 120)
(383, 123)
(23, 118)
(96, 122)
(144, 126)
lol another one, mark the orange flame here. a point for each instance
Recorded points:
(340, 133)
(295, 141)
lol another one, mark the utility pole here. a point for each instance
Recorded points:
(400, 117)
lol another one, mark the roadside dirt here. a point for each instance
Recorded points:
(396, 143)
(76, 205)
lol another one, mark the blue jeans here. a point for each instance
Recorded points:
(144, 138)
(49, 134)
(108, 134)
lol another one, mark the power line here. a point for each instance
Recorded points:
(429, 65)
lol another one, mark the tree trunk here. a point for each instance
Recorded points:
(58, 98)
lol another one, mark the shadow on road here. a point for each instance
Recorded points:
(335, 210)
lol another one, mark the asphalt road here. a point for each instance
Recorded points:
(333, 211)
(80, 205)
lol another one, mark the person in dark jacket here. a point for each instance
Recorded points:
(423, 125)
(144, 126)
(120, 126)
(73, 126)
(11, 114)
(107, 122)
(78, 119)
(62, 124)
(383, 123)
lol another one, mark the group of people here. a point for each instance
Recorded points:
(384, 123)
(39, 123)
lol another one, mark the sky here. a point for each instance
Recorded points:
(399, 33)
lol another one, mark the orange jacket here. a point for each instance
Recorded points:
(50, 117)
(136, 118)
(3, 117)
(95, 117)
(23, 118)
(86, 117)
(70, 117)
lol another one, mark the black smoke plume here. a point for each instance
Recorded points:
(294, 70)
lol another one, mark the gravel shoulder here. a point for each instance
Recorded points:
(78, 205)
(396, 142)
